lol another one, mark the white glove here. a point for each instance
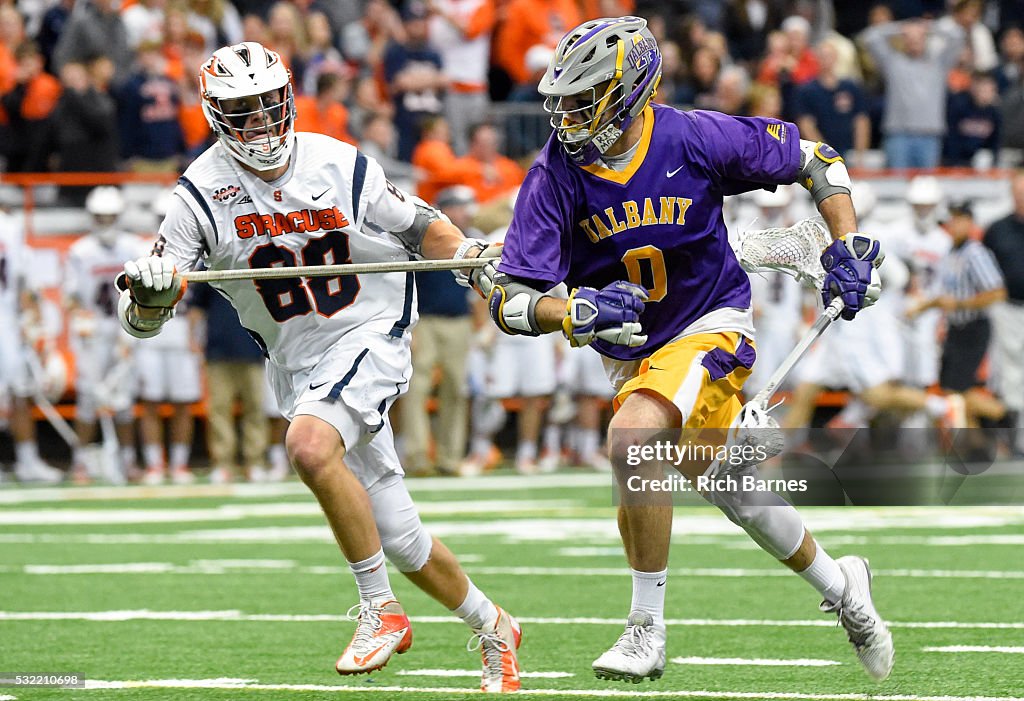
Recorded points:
(154, 282)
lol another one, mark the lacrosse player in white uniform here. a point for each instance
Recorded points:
(777, 298)
(169, 370)
(18, 311)
(876, 339)
(105, 385)
(338, 347)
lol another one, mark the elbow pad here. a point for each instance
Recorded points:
(822, 171)
(128, 315)
(412, 238)
(513, 306)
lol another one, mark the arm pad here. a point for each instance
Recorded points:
(822, 170)
(412, 238)
(513, 306)
(128, 315)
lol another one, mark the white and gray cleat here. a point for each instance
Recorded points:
(866, 630)
(638, 654)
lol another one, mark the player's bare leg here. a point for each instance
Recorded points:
(529, 421)
(317, 452)
(29, 467)
(495, 632)
(153, 443)
(646, 529)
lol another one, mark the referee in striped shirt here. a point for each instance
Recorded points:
(969, 282)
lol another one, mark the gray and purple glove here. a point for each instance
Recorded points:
(851, 272)
(611, 314)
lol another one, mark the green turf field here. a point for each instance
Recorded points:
(238, 592)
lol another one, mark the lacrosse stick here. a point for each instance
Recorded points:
(795, 251)
(63, 429)
(401, 266)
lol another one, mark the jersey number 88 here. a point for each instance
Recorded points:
(287, 298)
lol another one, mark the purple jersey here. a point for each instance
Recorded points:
(658, 223)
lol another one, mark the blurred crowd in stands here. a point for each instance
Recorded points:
(103, 85)
(443, 94)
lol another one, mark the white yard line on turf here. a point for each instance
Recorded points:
(7, 697)
(977, 648)
(503, 483)
(235, 615)
(218, 567)
(476, 673)
(576, 693)
(756, 662)
(238, 512)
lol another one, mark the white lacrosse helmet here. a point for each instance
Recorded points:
(602, 75)
(248, 101)
(105, 201)
(924, 190)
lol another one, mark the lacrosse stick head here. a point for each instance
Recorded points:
(754, 426)
(794, 250)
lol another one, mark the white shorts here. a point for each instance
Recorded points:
(269, 398)
(522, 366)
(105, 364)
(15, 377)
(856, 355)
(352, 388)
(168, 374)
(583, 373)
(922, 350)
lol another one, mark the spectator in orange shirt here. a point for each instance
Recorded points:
(12, 34)
(528, 23)
(436, 159)
(26, 109)
(490, 173)
(592, 9)
(326, 113)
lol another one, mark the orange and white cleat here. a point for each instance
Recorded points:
(498, 645)
(382, 630)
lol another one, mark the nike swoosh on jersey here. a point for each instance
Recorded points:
(670, 173)
(316, 197)
(312, 386)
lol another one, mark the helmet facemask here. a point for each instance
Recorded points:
(249, 104)
(257, 128)
(601, 76)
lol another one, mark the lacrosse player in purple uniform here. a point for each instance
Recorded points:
(624, 205)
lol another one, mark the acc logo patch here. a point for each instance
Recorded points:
(223, 194)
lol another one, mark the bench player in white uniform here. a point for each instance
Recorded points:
(876, 339)
(17, 305)
(338, 348)
(103, 355)
(778, 299)
(169, 370)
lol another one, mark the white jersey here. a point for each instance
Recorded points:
(12, 267)
(92, 267)
(333, 205)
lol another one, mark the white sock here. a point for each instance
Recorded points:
(154, 454)
(179, 455)
(372, 577)
(649, 595)
(527, 450)
(481, 447)
(26, 453)
(277, 456)
(935, 405)
(553, 438)
(127, 454)
(825, 576)
(588, 441)
(476, 610)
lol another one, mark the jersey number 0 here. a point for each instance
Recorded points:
(290, 297)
